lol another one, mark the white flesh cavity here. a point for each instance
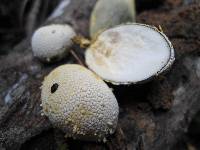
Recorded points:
(129, 53)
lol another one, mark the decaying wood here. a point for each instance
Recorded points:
(153, 116)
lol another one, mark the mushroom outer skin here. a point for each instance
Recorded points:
(52, 42)
(77, 101)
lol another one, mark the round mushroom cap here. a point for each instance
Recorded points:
(77, 101)
(52, 42)
(130, 53)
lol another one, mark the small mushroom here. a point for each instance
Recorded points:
(77, 101)
(108, 13)
(130, 53)
(52, 42)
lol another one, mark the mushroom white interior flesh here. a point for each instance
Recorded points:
(130, 53)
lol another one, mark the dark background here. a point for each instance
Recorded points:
(161, 114)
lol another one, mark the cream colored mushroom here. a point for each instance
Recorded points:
(80, 103)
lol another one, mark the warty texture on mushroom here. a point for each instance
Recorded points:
(79, 102)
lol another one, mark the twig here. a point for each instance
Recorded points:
(77, 58)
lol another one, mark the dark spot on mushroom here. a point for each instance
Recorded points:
(54, 87)
(54, 31)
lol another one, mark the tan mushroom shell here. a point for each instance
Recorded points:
(109, 13)
(79, 102)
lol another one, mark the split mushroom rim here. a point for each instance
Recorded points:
(130, 53)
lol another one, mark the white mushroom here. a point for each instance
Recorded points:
(80, 103)
(130, 53)
(52, 42)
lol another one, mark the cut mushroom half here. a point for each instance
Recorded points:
(130, 53)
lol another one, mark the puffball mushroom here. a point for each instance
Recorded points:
(108, 13)
(130, 53)
(77, 101)
(52, 42)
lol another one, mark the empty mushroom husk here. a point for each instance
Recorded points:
(108, 13)
(130, 53)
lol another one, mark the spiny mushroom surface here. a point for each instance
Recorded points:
(52, 42)
(80, 103)
(108, 13)
(130, 53)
